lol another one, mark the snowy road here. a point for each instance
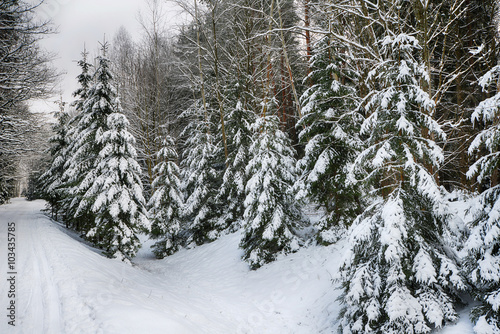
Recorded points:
(34, 292)
(63, 286)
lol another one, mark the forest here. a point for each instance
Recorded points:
(372, 112)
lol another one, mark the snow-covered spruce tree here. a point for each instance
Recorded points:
(483, 261)
(85, 80)
(166, 204)
(52, 180)
(398, 277)
(200, 176)
(80, 158)
(111, 190)
(330, 125)
(232, 192)
(271, 217)
(115, 193)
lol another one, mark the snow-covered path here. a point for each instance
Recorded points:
(63, 286)
(37, 295)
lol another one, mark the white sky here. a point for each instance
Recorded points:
(87, 21)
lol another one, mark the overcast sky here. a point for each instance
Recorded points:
(86, 21)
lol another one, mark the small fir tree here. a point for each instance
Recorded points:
(482, 263)
(399, 276)
(166, 204)
(271, 217)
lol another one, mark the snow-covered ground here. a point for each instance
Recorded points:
(65, 286)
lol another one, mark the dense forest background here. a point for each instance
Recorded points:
(371, 111)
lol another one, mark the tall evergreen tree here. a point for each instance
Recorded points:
(115, 192)
(167, 203)
(398, 276)
(52, 179)
(98, 105)
(330, 124)
(271, 218)
(483, 261)
(201, 178)
(232, 192)
(78, 161)
(111, 190)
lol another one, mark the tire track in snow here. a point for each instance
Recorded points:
(42, 312)
(47, 297)
(52, 299)
(31, 312)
